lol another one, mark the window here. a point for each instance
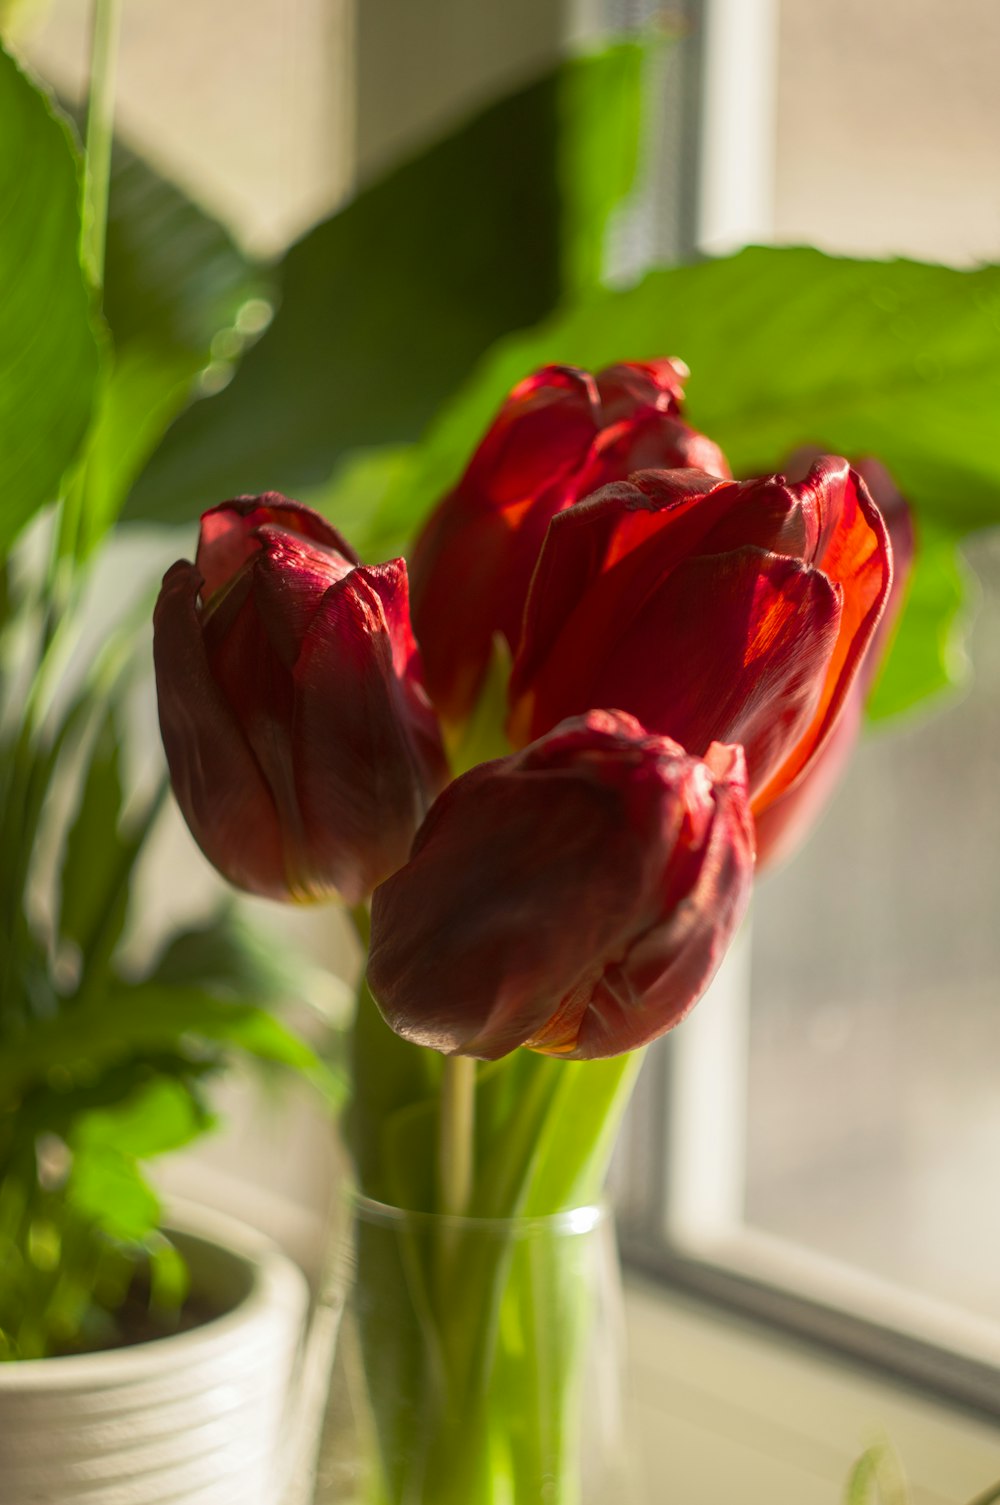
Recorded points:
(819, 1141)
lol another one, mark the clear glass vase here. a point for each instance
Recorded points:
(478, 1362)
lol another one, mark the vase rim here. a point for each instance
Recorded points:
(569, 1222)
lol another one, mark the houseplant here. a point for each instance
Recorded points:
(107, 1047)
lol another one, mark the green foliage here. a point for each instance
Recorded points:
(366, 497)
(179, 297)
(102, 1067)
(105, 1185)
(48, 349)
(385, 306)
(93, 849)
(788, 346)
(483, 735)
(877, 1479)
(931, 655)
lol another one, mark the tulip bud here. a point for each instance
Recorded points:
(575, 897)
(560, 434)
(301, 746)
(711, 610)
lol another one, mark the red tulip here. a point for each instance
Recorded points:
(711, 610)
(782, 823)
(575, 897)
(561, 434)
(301, 745)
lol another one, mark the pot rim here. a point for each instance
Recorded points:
(277, 1286)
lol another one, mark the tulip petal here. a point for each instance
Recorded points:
(363, 777)
(731, 647)
(666, 971)
(636, 384)
(473, 561)
(783, 821)
(576, 592)
(228, 534)
(472, 943)
(219, 784)
(858, 560)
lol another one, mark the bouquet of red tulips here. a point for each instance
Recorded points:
(539, 768)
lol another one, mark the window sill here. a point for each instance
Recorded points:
(724, 1410)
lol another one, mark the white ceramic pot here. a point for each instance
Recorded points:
(195, 1419)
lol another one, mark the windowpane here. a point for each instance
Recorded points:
(873, 1111)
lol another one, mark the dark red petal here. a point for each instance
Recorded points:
(782, 823)
(255, 679)
(635, 384)
(229, 534)
(730, 648)
(518, 883)
(361, 771)
(652, 441)
(473, 561)
(600, 559)
(391, 583)
(218, 782)
(858, 561)
(666, 970)
(543, 429)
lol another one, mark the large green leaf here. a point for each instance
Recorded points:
(143, 1020)
(179, 297)
(48, 350)
(106, 1184)
(386, 305)
(93, 847)
(789, 346)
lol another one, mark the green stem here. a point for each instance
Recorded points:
(456, 1136)
(455, 1159)
(105, 27)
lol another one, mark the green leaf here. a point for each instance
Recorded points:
(898, 359)
(366, 499)
(599, 157)
(570, 1158)
(106, 1184)
(179, 297)
(928, 650)
(877, 1479)
(483, 736)
(48, 349)
(128, 1021)
(385, 305)
(988, 1497)
(388, 1076)
(93, 847)
(231, 958)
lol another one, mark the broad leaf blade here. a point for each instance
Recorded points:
(386, 305)
(928, 651)
(106, 1184)
(48, 350)
(93, 846)
(178, 296)
(146, 1020)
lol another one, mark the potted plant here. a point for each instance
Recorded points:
(137, 1353)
